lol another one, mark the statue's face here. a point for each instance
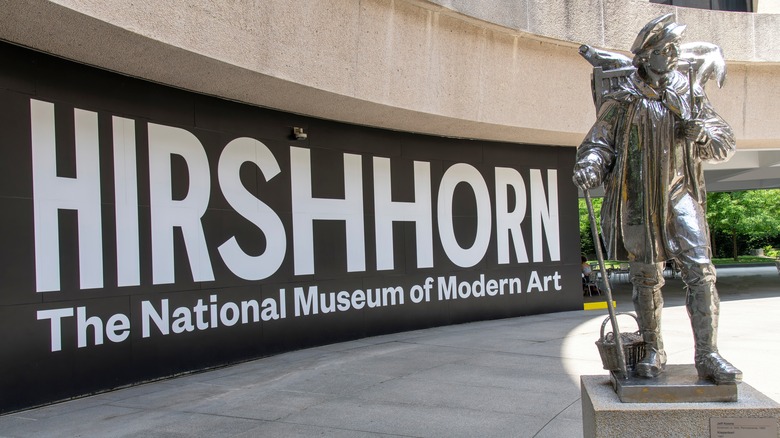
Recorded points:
(663, 59)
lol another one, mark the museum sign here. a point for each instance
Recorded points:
(148, 231)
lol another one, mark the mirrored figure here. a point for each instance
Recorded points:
(655, 127)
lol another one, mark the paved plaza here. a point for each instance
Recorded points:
(514, 377)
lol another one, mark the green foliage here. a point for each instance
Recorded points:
(739, 222)
(586, 237)
(748, 219)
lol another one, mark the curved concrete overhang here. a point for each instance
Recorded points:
(502, 70)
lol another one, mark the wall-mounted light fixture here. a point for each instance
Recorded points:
(299, 133)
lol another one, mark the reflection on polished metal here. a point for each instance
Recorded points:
(655, 127)
(678, 384)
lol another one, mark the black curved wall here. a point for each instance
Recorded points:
(120, 197)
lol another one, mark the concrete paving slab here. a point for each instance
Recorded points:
(336, 383)
(418, 419)
(74, 423)
(465, 396)
(280, 429)
(411, 360)
(171, 398)
(242, 377)
(519, 379)
(561, 428)
(258, 404)
(485, 340)
(177, 424)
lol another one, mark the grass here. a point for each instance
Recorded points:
(612, 264)
(742, 259)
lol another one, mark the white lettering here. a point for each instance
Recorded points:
(358, 299)
(270, 311)
(200, 320)
(491, 287)
(373, 297)
(447, 288)
(82, 323)
(464, 289)
(52, 193)
(508, 222)
(325, 307)
(515, 286)
(183, 320)
(148, 312)
(387, 212)
(427, 287)
(392, 295)
(229, 314)
(343, 300)
(456, 174)
(118, 328)
(213, 311)
(55, 315)
(128, 257)
(544, 214)
(478, 287)
(307, 209)
(306, 305)
(416, 294)
(168, 213)
(534, 283)
(171, 213)
(237, 152)
(254, 307)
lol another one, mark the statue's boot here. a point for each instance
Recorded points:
(648, 303)
(654, 362)
(714, 367)
(703, 307)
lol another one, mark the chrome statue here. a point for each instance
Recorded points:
(655, 127)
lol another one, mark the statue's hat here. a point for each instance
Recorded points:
(658, 32)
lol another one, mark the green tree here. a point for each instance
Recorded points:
(749, 217)
(586, 237)
(745, 219)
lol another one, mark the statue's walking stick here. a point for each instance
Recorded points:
(621, 358)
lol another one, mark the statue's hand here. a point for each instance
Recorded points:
(587, 177)
(696, 132)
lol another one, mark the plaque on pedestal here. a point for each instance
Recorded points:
(677, 384)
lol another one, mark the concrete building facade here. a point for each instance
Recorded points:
(499, 70)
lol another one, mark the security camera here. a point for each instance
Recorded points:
(299, 134)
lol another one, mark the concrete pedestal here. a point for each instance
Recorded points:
(604, 415)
